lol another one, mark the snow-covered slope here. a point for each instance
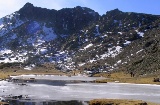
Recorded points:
(74, 38)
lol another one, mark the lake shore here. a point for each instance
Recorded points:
(115, 77)
(119, 102)
(118, 77)
(121, 77)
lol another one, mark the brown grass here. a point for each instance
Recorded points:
(3, 103)
(3, 75)
(119, 102)
(126, 78)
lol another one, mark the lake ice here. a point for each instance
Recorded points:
(80, 91)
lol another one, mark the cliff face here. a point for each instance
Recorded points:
(66, 21)
(78, 38)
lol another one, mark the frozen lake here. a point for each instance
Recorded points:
(45, 89)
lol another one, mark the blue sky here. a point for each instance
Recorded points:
(100, 6)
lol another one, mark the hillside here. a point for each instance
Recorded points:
(79, 38)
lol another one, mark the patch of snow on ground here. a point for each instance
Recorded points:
(43, 50)
(6, 51)
(30, 67)
(81, 64)
(119, 61)
(124, 63)
(112, 52)
(10, 16)
(127, 42)
(120, 33)
(93, 60)
(13, 59)
(39, 42)
(8, 24)
(89, 45)
(139, 51)
(104, 36)
(86, 40)
(50, 35)
(61, 52)
(141, 34)
(9, 57)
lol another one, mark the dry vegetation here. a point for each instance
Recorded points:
(3, 103)
(126, 78)
(45, 70)
(3, 75)
(119, 102)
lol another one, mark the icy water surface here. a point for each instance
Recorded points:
(46, 89)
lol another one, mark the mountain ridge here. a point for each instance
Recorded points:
(79, 38)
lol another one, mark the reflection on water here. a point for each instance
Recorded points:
(50, 82)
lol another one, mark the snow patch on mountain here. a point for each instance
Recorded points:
(49, 34)
(81, 64)
(64, 60)
(139, 51)
(43, 50)
(88, 46)
(141, 34)
(10, 22)
(6, 51)
(92, 60)
(127, 42)
(112, 52)
(33, 27)
(104, 36)
(7, 56)
(29, 67)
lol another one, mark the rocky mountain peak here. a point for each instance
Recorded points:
(114, 11)
(30, 12)
(28, 5)
(27, 8)
(77, 38)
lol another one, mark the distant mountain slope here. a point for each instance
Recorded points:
(79, 38)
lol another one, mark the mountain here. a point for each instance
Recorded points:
(79, 38)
